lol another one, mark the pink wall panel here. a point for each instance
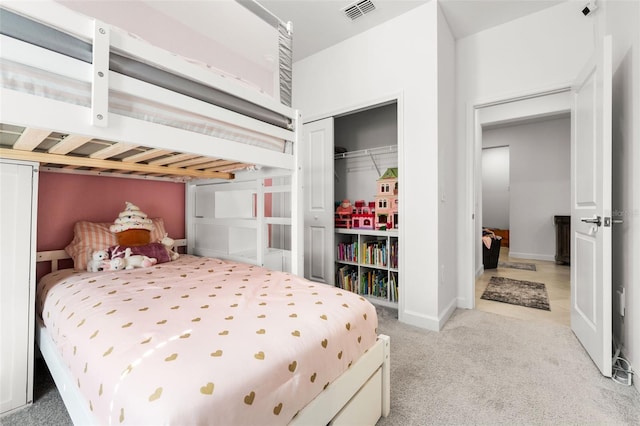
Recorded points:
(64, 199)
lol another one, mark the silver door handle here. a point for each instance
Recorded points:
(596, 220)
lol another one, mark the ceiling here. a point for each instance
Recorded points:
(318, 24)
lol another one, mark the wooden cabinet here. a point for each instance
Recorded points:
(367, 264)
(563, 239)
(18, 212)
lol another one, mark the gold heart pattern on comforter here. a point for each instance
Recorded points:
(202, 340)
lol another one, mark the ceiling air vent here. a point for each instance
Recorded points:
(358, 9)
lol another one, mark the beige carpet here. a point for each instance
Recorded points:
(487, 369)
(482, 368)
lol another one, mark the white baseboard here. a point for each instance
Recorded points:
(448, 311)
(532, 256)
(429, 322)
(419, 320)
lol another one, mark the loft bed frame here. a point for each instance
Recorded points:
(78, 95)
(94, 130)
(101, 60)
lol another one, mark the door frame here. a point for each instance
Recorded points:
(534, 104)
(398, 98)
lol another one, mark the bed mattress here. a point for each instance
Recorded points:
(202, 340)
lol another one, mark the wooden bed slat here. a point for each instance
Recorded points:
(108, 164)
(146, 155)
(172, 159)
(68, 144)
(30, 139)
(228, 166)
(192, 162)
(212, 163)
(112, 150)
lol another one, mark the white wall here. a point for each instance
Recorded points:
(447, 172)
(397, 58)
(621, 19)
(495, 187)
(539, 52)
(540, 183)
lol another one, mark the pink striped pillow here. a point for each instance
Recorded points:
(90, 236)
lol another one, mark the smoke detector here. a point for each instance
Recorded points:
(358, 9)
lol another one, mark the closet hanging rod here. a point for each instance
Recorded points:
(366, 152)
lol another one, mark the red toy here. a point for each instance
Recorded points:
(343, 215)
(363, 216)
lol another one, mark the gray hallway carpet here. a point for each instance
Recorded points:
(481, 368)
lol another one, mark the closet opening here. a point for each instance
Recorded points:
(352, 235)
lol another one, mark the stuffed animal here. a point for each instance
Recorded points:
(117, 264)
(132, 227)
(99, 261)
(137, 260)
(168, 243)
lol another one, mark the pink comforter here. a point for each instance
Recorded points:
(202, 341)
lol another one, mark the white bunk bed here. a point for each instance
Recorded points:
(74, 113)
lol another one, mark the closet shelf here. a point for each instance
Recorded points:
(366, 152)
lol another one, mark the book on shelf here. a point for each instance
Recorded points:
(393, 287)
(393, 255)
(348, 252)
(374, 283)
(347, 278)
(374, 253)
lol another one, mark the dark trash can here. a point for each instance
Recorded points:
(490, 255)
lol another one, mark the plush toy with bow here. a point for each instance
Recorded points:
(137, 260)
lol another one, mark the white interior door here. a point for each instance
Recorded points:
(318, 201)
(591, 208)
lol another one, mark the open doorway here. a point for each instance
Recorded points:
(526, 183)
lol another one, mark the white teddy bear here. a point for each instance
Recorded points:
(117, 264)
(99, 261)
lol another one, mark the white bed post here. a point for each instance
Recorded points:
(297, 218)
(386, 376)
(100, 75)
(261, 231)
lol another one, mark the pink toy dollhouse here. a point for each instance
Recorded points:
(386, 205)
(363, 216)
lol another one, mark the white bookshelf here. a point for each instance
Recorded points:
(367, 263)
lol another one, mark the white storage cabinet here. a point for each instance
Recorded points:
(18, 213)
